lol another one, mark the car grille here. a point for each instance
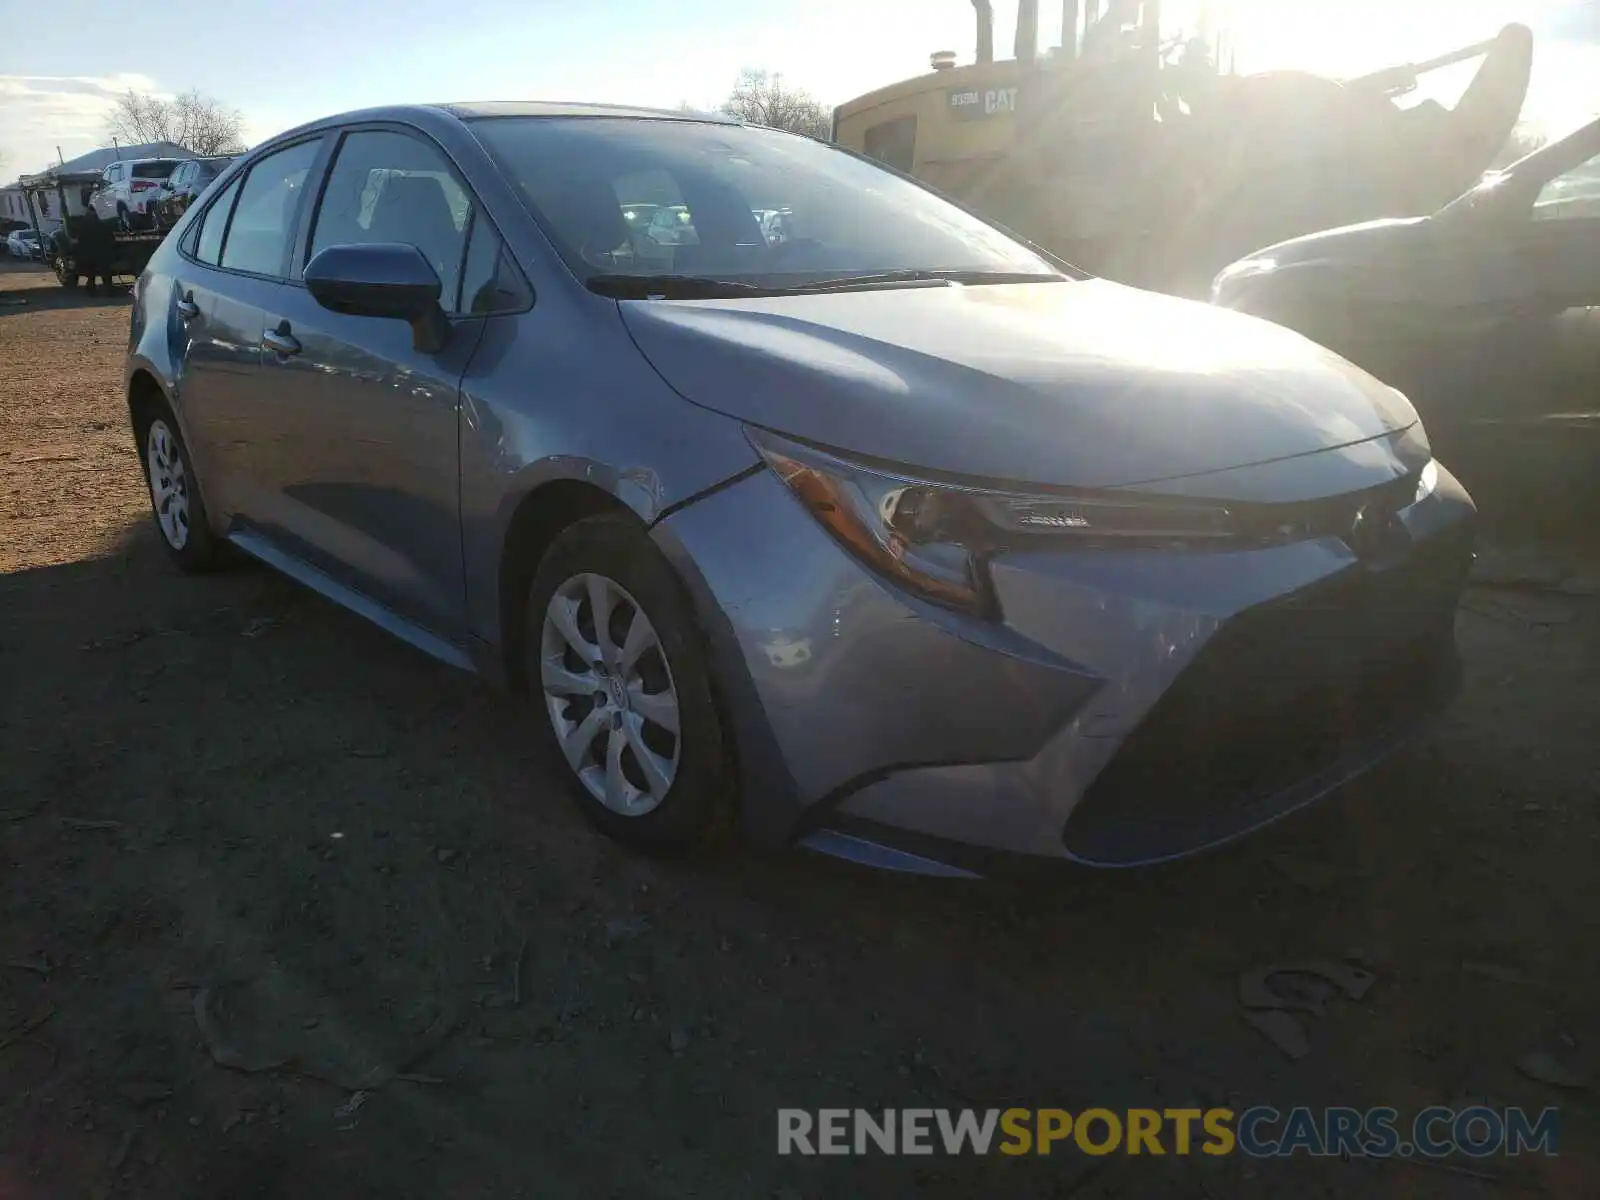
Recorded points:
(1285, 702)
(1333, 516)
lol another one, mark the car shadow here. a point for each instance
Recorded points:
(225, 782)
(29, 287)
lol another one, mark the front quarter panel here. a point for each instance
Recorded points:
(561, 393)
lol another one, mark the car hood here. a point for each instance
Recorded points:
(1087, 384)
(1370, 239)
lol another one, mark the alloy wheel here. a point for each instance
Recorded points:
(609, 694)
(169, 483)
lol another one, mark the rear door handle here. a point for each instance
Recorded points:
(280, 340)
(187, 308)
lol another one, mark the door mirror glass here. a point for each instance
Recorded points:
(381, 279)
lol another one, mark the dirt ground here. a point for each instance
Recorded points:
(289, 910)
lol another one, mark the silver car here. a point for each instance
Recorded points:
(23, 243)
(899, 540)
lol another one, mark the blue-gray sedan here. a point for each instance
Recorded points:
(890, 536)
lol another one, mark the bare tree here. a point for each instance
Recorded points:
(762, 98)
(193, 120)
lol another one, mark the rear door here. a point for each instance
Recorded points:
(234, 259)
(216, 350)
(366, 464)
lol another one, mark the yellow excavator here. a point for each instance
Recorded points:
(1136, 151)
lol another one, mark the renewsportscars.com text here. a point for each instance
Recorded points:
(1258, 1132)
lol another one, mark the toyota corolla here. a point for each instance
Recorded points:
(895, 538)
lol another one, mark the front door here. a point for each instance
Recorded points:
(366, 467)
(1517, 379)
(1560, 247)
(1531, 347)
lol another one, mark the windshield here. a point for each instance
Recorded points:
(660, 198)
(159, 169)
(1563, 170)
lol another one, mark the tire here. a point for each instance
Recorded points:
(176, 505)
(687, 801)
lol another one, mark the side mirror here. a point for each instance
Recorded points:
(384, 279)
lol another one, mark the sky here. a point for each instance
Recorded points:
(296, 60)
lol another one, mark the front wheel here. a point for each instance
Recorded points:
(619, 666)
(175, 501)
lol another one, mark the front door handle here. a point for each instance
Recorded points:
(280, 340)
(187, 308)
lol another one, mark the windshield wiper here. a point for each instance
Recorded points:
(672, 287)
(702, 287)
(920, 275)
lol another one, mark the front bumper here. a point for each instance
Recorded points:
(1131, 707)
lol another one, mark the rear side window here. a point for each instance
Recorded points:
(208, 247)
(263, 220)
(387, 186)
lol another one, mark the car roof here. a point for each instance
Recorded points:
(560, 108)
(427, 114)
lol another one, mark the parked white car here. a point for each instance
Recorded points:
(129, 190)
(22, 243)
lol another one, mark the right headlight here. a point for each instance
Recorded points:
(935, 538)
(1427, 482)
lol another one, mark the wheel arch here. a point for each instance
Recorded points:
(145, 396)
(540, 517)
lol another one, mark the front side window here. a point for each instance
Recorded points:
(490, 282)
(392, 187)
(842, 215)
(208, 247)
(263, 219)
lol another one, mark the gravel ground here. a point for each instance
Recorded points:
(289, 910)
